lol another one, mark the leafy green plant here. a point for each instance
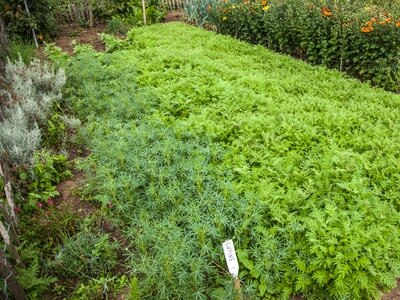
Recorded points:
(34, 283)
(21, 50)
(85, 255)
(48, 170)
(55, 131)
(101, 288)
(203, 138)
(116, 25)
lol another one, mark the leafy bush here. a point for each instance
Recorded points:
(19, 23)
(345, 35)
(46, 172)
(203, 138)
(116, 25)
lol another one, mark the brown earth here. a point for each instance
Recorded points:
(70, 35)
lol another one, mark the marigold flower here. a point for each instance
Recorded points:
(373, 20)
(263, 2)
(326, 12)
(367, 29)
(368, 24)
(382, 23)
(398, 24)
(388, 20)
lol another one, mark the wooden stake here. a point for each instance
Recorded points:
(33, 30)
(238, 289)
(8, 275)
(5, 173)
(144, 12)
(9, 244)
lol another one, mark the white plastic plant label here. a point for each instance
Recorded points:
(231, 259)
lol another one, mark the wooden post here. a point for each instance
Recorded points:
(9, 244)
(90, 12)
(5, 173)
(3, 39)
(8, 275)
(144, 12)
(33, 30)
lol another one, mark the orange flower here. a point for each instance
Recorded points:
(369, 24)
(373, 20)
(388, 20)
(382, 23)
(398, 24)
(326, 12)
(367, 29)
(263, 2)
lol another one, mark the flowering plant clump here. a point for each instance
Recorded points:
(362, 41)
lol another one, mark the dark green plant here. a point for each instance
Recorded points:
(117, 25)
(100, 288)
(21, 50)
(31, 277)
(19, 23)
(55, 131)
(85, 255)
(48, 170)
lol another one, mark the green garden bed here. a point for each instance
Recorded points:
(197, 138)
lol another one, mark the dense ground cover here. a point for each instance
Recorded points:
(202, 138)
(358, 37)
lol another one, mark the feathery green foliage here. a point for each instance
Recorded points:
(203, 138)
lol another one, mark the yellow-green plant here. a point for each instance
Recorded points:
(203, 138)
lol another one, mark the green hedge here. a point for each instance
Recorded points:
(363, 41)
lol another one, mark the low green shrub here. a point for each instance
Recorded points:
(41, 179)
(31, 277)
(103, 287)
(346, 35)
(203, 138)
(87, 254)
(21, 50)
(117, 25)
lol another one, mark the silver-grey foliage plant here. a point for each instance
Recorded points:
(32, 91)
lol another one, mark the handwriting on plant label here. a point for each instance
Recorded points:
(231, 259)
